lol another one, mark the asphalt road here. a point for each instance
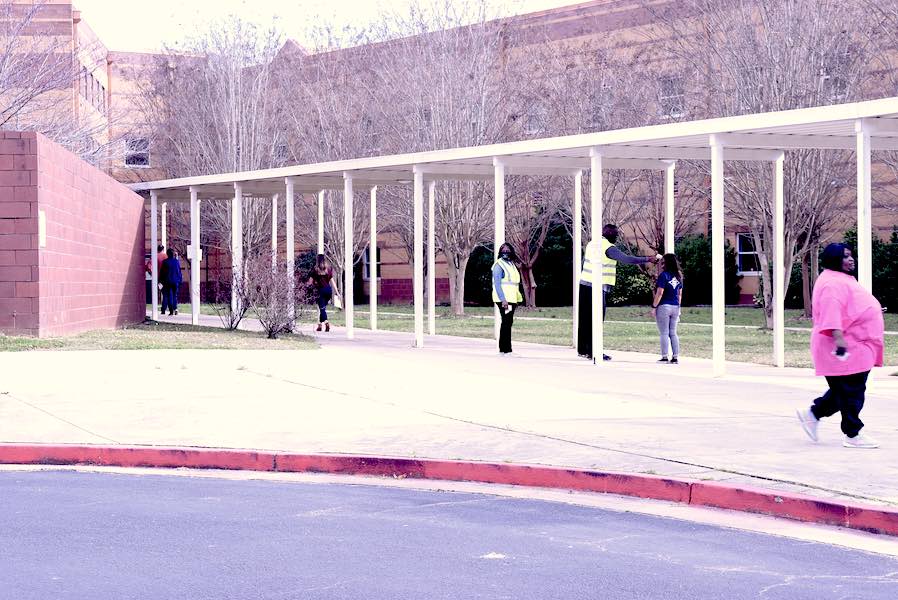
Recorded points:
(93, 536)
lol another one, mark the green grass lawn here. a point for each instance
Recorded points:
(159, 336)
(735, 315)
(637, 334)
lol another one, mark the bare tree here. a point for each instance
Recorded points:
(529, 216)
(38, 75)
(769, 55)
(208, 108)
(454, 54)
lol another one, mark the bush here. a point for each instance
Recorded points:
(694, 254)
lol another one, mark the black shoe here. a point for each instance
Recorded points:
(674, 361)
(664, 360)
(606, 357)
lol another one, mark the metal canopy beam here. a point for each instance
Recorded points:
(683, 152)
(796, 142)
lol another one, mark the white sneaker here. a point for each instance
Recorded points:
(808, 422)
(860, 441)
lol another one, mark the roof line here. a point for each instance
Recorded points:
(669, 133)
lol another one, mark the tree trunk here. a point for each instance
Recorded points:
(457, 283)
(766, 287)
(805, 286)
(529, 283)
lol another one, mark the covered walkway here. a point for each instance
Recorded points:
(860, 127)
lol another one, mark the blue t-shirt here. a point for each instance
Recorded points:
(671, 284)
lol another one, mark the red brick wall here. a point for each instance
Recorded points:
(89, 274)
(402, 291)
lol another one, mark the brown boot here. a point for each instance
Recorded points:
(327, 326)
(318, 328)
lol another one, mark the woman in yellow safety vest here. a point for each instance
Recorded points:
(506, 292)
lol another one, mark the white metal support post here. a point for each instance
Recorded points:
(195, 257)
(595, 226)
(274, 232)
(779, 265)
(348, 301)
(290, 244)
(154, 243)
(165, 225)
(499, 227)
(418, 219)
(431, 260)
(372, 262)
(864, 208)
(321, 222)
(577, 232)
(718, 285)
(669, 208)
(236, 247)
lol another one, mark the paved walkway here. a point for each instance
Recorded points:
(457, 399)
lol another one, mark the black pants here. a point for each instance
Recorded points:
(324, 296)
(505, 327)
(845, 395)
(584, 319)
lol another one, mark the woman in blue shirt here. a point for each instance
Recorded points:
(666, 307)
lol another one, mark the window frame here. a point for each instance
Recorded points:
(740, 253)
(665, 96)
(366, 263)
(131, 152)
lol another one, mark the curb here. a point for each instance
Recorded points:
(862, 517)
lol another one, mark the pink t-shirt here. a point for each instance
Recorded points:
(840, 302)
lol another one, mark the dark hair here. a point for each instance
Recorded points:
(832, 258)
(170, 252)
(672, 265)
(514, 255)
(609, 232)
(160, 248)
(320, 263)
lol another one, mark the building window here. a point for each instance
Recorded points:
(425, 124)
(137, 152)
(366, 264)
(370, 132)
(747, 255)
(672, 96)
(281, 154)
(834, 87)
(535, 121)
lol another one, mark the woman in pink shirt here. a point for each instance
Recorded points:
(846, 343)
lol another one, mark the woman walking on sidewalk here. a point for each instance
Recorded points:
(320, 279)
(666, 307)
(506, 293)
(846, 343)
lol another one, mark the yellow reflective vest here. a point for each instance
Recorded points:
(595, 256)
(511, 282)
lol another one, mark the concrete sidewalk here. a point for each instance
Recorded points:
(457, 399)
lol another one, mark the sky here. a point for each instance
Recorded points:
(121, 26)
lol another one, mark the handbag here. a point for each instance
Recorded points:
(338, 303)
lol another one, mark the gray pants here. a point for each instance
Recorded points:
(667, 316)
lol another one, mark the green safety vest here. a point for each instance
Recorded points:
(511, 283)
(591, 258)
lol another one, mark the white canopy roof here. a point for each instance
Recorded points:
(746, 137)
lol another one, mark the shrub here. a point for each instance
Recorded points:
(694, 254)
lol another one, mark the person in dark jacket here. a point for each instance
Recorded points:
(171, 279)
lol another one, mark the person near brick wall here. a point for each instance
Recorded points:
(171, 280)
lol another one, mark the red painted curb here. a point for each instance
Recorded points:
(755, 500)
